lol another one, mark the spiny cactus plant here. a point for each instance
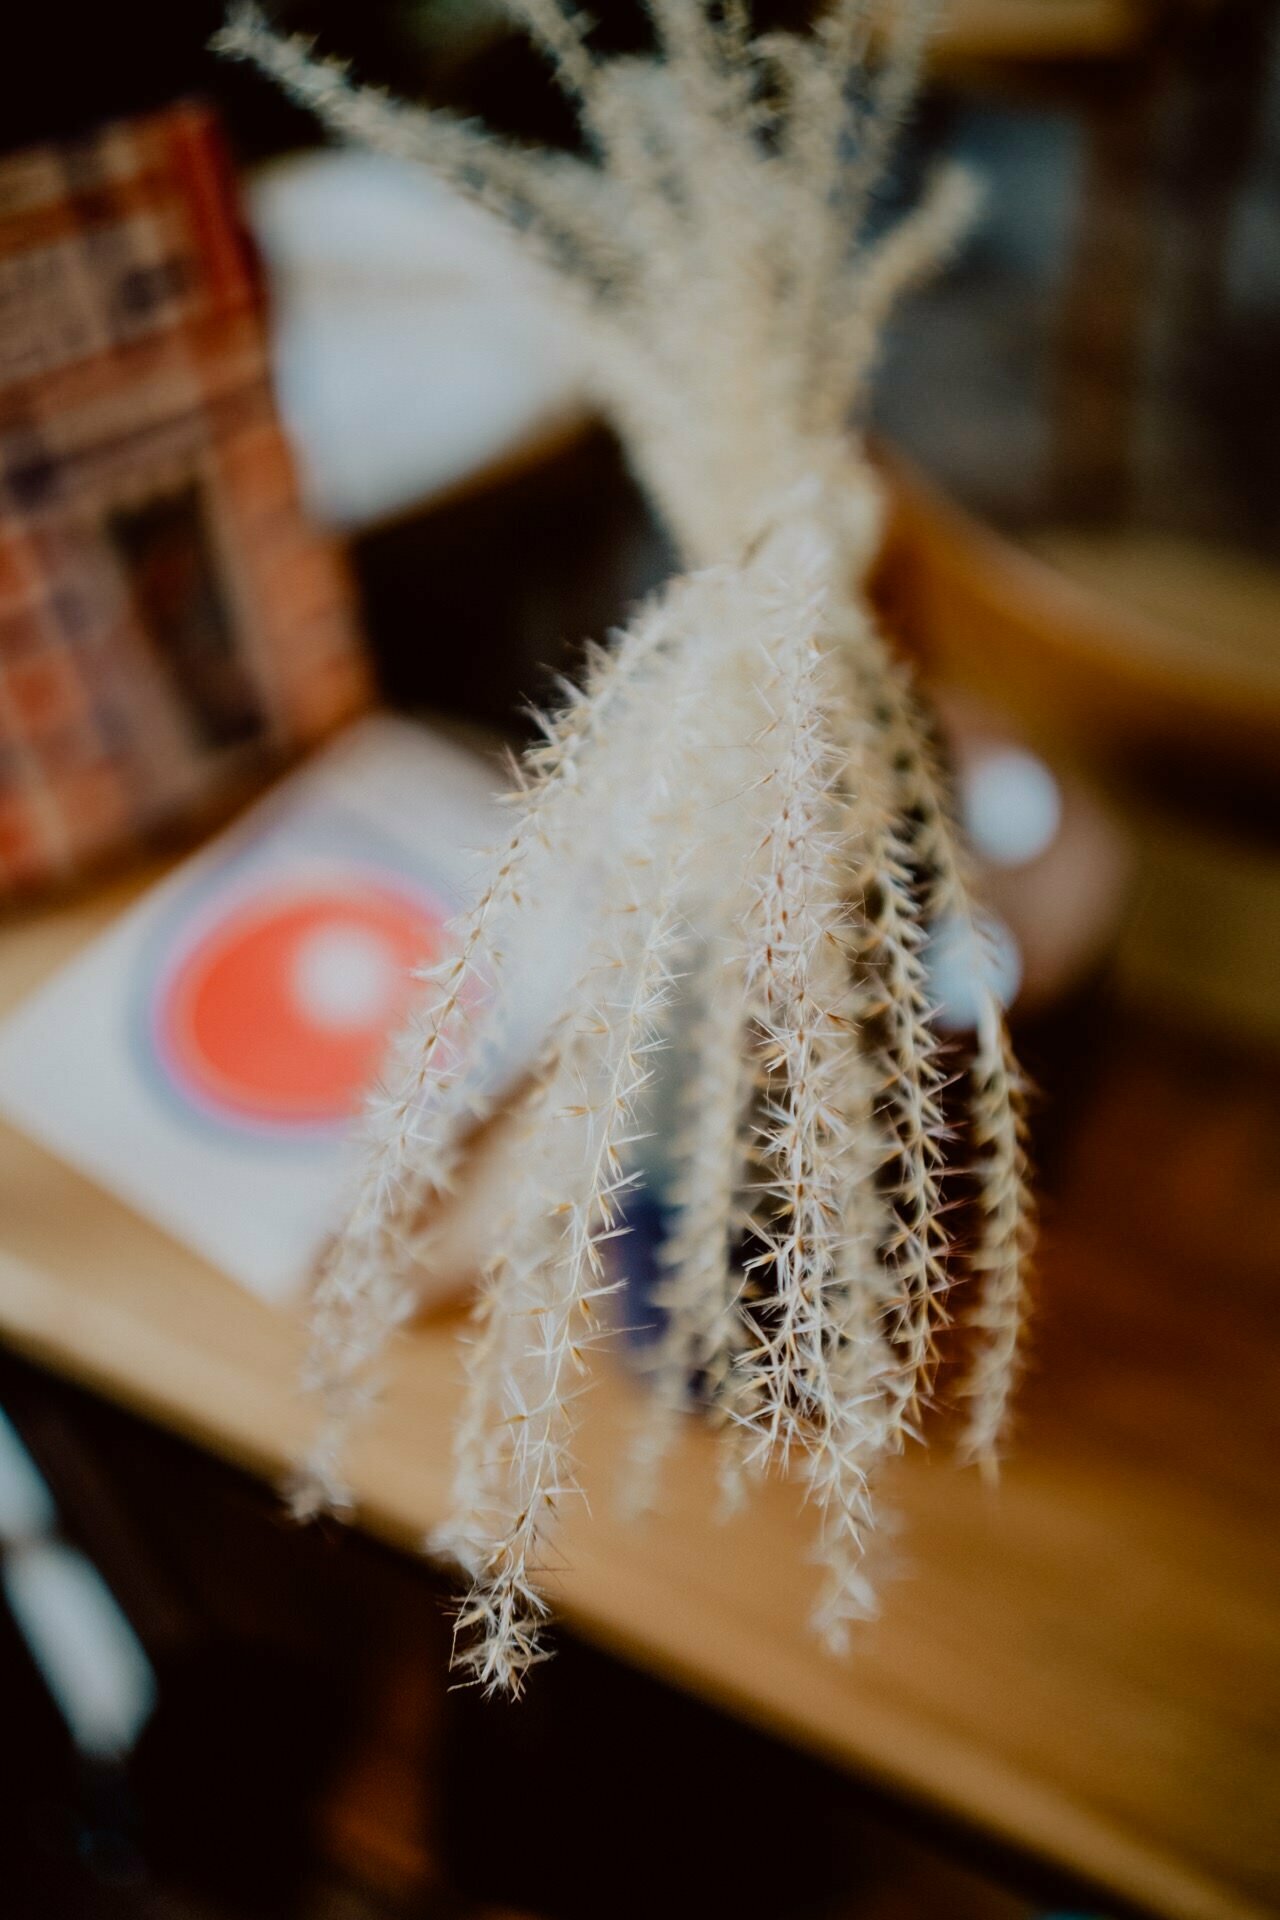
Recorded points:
(742, 798)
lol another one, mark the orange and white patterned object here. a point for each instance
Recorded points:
(170, 625)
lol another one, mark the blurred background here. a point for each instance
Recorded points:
(326, 450)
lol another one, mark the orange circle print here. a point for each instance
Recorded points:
(280, 1011)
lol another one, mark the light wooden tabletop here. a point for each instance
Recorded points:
(1083, 1664)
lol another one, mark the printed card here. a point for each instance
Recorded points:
(204, 1058)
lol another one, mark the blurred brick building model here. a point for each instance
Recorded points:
(169, 624)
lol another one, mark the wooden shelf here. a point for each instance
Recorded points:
(1082, 1664)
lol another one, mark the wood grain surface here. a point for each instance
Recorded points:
(1082, 1663)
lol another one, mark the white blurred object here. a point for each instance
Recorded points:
(413, 348)
(961, 965)
(26, 1505)
(344, 978)
(1012, 806)
(88, 1654)
(1054, 863)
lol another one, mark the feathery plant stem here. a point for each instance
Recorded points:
(562, 34)
(798, 993)
(1004, 1246)
(901, 1047)
(560, 206)
(744, 775)
(541, 1314)
(896, 265)
(1001, 1255)
(443, 1080)
(701, 1332)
